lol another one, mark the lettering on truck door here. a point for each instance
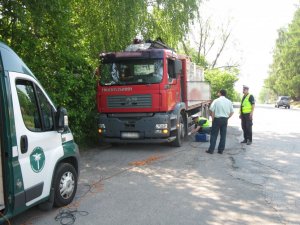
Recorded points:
(38, 143)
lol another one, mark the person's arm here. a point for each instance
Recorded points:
(240, 111)
(195, 129)
(251, 113)
(231, 111)
(212, 114)
(252, 101)
(211, 110)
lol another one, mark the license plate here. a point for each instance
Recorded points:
(133, 135)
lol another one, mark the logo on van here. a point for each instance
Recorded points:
(37, 159)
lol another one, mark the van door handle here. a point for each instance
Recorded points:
(24, 144)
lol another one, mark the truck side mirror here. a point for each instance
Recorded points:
(178, 67)
(172, 81)
(97, 72)
(61, 119)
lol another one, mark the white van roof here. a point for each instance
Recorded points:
(11, 61)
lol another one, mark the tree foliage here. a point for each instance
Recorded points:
(199, 59)
(222, 79)
(266, 95)
(210, 42)
(60, 41)
(284, 76)
(218, 78)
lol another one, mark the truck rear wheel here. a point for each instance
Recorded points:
(180, 133)
(65, 184)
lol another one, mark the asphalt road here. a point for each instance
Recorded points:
(158, 184)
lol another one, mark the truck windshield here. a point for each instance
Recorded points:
(135, 71)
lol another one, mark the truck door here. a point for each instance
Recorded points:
(174, 88)
(38, 143)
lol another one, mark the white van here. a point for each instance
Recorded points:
(39, 158)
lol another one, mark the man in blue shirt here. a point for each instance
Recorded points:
(221, 110)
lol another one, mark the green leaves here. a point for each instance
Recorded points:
(222, 79)
(284, 73)
(60, 40)
(169, 20)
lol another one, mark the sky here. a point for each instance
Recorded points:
(254, 25)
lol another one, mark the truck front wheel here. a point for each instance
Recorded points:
(65, 184)
(180, 132)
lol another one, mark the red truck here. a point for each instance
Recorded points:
(147, 94)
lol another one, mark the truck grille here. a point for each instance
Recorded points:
(132, 101)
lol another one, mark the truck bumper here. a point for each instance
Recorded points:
(145, 140)
(136, 127)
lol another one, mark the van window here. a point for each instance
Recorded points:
(12, 62)
(1, 67)
(46, 110)
(36, 111)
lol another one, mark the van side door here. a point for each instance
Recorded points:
(38, 143)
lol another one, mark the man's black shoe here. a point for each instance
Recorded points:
(209, 152)
(220, 152)
(244, 141)
(249, 142)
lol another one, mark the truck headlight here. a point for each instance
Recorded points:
(161, 126)
(165, 131)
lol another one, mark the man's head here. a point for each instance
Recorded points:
(222, 92)
(245, 89)
(195, 117)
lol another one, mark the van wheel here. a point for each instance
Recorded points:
(180, 133)
(65, 184)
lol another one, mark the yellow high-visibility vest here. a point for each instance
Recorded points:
(206, 124)
(246, 105)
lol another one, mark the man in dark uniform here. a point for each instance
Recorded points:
(246, 115)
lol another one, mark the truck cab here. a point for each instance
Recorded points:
(39, 158)
(143, 97)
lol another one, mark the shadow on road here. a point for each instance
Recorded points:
(184, 186)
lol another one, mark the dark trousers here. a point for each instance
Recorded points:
(204, 130)
(218, 124)
(247, 126)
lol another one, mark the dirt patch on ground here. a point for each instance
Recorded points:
(295, 104)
